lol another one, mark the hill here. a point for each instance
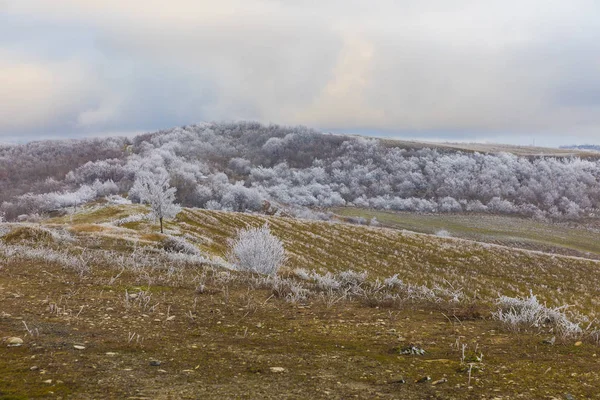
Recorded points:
(243, 166)
(107, 307)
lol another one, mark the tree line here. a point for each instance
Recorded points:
(241, 166)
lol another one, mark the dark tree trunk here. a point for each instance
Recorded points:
(161, 225)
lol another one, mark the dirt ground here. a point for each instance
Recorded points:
(106, 335)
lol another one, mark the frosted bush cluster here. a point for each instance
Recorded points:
(116, 199)
(411, 291)
(257, 250)
(523, 313)
(352, 284)
(57, 200)
(46, 254)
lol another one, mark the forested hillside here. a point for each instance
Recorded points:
(240, 166)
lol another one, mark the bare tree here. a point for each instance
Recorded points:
(154, 189)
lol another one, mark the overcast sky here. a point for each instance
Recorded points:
(480, 70)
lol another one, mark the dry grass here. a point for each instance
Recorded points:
(217, 333)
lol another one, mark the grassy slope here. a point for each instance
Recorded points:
(504, 230)
(223, 342)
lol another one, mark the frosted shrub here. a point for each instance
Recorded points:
(326, 282)
(347, 281)
(306, 213)
(443, 233)
(132, 218)
(522, 313)
(302, 274)
(393, 281)
(177, 244)
(45, 254)
(282, 288)
(257, 250)
(409, 291)
(116, 199)
(351, 278)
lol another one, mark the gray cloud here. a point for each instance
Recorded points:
(431, 69)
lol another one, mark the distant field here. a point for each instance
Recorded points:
(493, 148)
(504, 230)
(105, 311)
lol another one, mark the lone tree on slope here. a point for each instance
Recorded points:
(154, 189)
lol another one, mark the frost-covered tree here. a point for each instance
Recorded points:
(154, 190)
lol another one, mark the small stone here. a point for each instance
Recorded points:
(412, 350)
(398, 379)
(34, 368)
(578, 343)
(155, 363)
(277, 370)
(550, 341)
(439, 381)
(14, 342)
(423, 379)
(79, 347)
(48, 381)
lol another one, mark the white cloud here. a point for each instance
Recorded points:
(342, 102)
(34, 94)
(494, 67)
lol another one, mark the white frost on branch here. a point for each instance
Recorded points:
(154, 189)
